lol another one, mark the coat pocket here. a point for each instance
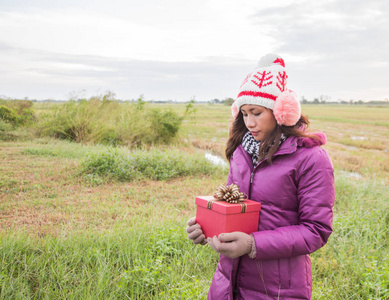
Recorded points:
(284, 272)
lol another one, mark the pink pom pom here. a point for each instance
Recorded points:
(234, 110)
(287, 109)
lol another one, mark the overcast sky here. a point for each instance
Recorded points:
(178, 50)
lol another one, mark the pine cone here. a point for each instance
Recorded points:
(229, 193)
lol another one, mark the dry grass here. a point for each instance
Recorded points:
(44, 195)
(355, 142)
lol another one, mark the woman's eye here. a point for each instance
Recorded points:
(257, 114)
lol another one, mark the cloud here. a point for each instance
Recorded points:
(175, 32)
(53, 75)
(336, 48)
(174, 50)
(330, 29)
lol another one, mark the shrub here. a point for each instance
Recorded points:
(165, 125)
(5, 129)
(17, 112)
(8, 115)
(68, 121)
(108, 122)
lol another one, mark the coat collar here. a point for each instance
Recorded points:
(289, 146)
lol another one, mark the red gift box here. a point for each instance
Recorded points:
(217, 217)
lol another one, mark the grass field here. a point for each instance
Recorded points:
(69, 235)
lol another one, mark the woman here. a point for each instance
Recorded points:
(275, 161)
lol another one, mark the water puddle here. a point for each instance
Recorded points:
(351, 147)
(350, 174)
(359, 138)
(216, 160)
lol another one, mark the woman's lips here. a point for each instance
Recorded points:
(254, 133)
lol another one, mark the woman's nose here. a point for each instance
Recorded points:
(250, 121)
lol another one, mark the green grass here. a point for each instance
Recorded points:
(59, 148)
(156, 164)
(354, 263)
(155, 262)
(72, 235)
(144, 258)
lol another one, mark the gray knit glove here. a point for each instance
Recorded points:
(234, 244)
(195, 233)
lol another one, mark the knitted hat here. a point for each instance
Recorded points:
(266, 86)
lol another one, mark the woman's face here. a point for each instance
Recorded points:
(259, 120)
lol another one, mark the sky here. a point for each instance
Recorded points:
(183, 50)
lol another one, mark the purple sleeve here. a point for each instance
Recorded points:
(316, 196)
(229, 178)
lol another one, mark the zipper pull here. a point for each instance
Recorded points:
(252, 176)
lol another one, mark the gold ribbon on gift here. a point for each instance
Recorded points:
(231, 194)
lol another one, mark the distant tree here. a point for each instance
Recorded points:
(214, 101)
(228, 101)
(77, 95)
(316, 101)
(324, 99)
(140, 103)
(109, 95)
(303, 100)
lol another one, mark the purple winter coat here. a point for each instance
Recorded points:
(297, 195)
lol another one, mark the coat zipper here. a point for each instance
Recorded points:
(253, 172)
(251, 182)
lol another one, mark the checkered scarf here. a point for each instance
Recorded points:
(251, 146)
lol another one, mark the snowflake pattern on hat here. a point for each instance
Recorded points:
(265, 83)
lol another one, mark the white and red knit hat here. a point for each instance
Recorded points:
(266, 86)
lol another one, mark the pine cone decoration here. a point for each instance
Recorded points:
(229, 193)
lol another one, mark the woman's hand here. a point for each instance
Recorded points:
(234, 244)
(195, 233)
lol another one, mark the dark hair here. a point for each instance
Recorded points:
(269, 145)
